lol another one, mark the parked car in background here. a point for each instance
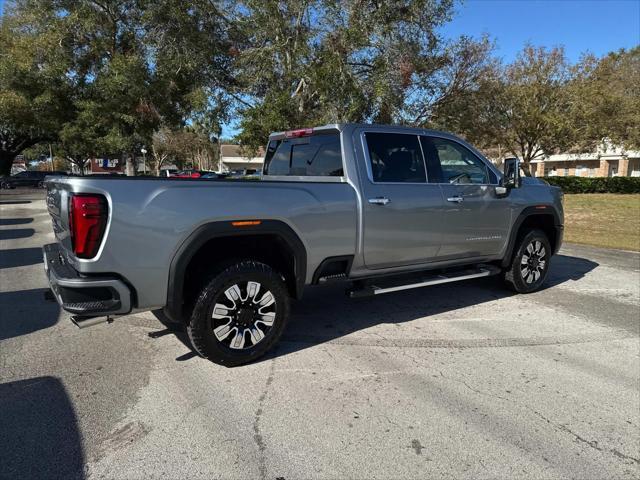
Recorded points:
(386, 208)
(187, 174)
(253, 174)
(168, 172)
(213, 175)
(237, 174)
(28, 178)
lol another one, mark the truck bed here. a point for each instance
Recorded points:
(149, 219)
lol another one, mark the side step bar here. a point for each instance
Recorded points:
(425, 281)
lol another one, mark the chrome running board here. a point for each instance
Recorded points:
(425, 281)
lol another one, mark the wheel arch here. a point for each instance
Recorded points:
(543, 217)
(274, 233)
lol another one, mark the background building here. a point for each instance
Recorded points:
(19, 165)
(232, 158)
(606, 162)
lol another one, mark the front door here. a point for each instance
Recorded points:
(476, 219)
(402, 211)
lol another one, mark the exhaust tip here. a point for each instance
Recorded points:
(84, 322)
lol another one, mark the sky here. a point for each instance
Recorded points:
(597, 26)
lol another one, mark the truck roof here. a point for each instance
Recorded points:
(344, 126)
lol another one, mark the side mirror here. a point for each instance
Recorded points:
(511, 177)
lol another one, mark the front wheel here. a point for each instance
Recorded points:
(530, 264)
(240, 314)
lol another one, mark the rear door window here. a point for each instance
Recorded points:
(314, 156)
(395, 157)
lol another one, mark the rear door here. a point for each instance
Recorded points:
(402, 211)
(476, 220)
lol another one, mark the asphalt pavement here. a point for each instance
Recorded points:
(454, 381)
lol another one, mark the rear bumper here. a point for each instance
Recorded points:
(83, 295)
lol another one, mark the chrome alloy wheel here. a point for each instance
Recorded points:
(533, 262)
(243, 315)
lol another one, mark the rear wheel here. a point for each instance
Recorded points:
(240, 314)
(530, 264)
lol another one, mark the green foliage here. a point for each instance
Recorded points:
(596, 184)
(33, 89)
(521, 106)
(606, 94)
(541, 104)
(112, 76)
(184, 147)
(119, 70)
(305, 63)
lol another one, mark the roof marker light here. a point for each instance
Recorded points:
(301, 132)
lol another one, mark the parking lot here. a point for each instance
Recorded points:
(463, 380)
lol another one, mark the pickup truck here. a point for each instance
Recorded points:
(382, 208)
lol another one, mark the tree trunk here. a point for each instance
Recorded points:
(6, 162)
(130, 166)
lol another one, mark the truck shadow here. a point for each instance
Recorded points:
(26, 311)
(20, 257)
(15, 221)
(16, 233)
(14, 202)
(565, 268)
(325, 314)
(40, 434)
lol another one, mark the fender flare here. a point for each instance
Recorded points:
(537, 210)
(220, 229)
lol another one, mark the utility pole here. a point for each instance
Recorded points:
(51, 156)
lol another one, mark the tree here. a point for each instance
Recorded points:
(34, 89)
(524, 107)
(161, 149)
(59, 165)
(606, 99)
(302, 63)
(132, 66)
(184, 147)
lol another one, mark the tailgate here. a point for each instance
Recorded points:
(57, 205)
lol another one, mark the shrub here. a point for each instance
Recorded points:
(596, 184)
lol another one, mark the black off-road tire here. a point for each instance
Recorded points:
(201, 324)
(523, 279)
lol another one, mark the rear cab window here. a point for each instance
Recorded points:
(316, 155)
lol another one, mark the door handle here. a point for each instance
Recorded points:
(456, 199)
(379, 201)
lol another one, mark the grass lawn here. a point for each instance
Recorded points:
(603, 220)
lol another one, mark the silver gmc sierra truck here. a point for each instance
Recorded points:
(383, 208)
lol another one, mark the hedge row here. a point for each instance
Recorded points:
(596, 184)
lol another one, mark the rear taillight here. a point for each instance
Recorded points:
(87, 222)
